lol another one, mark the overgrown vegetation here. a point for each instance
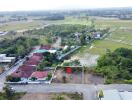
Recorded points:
(10, 94)
(49, 60)
(69, 96)
(116, 66)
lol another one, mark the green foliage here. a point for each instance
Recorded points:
(33, 78)
(8, 92)
(128, 81)
(49, 76)
(19, 46)
(101, 94)
(72, 63)
(58, 98)
(61, 30)
(116, 65)
(83, 39)
(49, 60)
(12, 79)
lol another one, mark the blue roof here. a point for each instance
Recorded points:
(40, 51)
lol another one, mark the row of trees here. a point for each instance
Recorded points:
(18, 47)
(116, 66)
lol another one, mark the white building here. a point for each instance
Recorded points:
(4, 59)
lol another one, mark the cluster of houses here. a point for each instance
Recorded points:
(28, 70)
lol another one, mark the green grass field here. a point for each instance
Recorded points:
(71, 20)
(100, 46)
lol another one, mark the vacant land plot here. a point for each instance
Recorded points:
(75, 77)
(52, 96)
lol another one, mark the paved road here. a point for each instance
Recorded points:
(8, 72)
(89, 91)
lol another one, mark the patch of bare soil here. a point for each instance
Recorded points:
(93, 79)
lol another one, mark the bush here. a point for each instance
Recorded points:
(13, 79)
(49, 76)
(128, 81)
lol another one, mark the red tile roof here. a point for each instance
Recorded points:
(22, 74)
(46, 47)
(38, 54)
(39, 74)
(35, 58)
(31, 63)
(26, 68)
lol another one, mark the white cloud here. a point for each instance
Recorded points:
(9, 5)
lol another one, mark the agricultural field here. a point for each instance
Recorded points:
(120, 37)
(20, 25)
(100, 46)
(72, 20)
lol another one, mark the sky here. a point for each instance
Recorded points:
(25, 5)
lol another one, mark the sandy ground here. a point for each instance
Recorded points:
(70, 78)
(77, 78)
(93, 79)
(87, 60)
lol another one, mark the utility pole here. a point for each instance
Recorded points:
(83, 79)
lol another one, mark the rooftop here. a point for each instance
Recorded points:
(39, 74)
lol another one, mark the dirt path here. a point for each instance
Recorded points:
(87, 60)
(57, 43)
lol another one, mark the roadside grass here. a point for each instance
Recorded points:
(67, 96)
(16, 96)
(53, 96)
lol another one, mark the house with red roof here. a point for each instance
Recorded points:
(21, 74)
(31, 63)
(46, 47)
(27, 68)
(23, 71)
(39, 75)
